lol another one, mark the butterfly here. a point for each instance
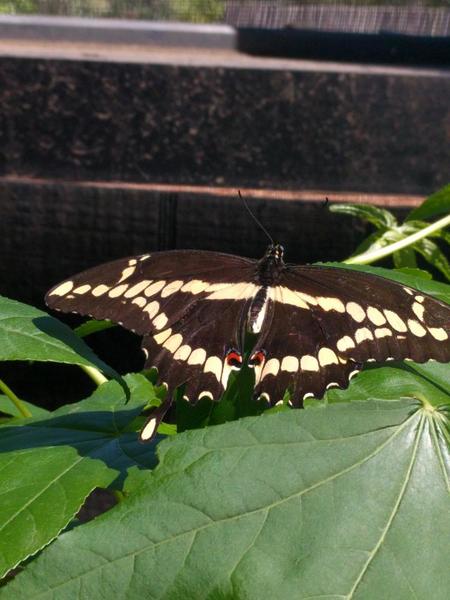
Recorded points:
(313, 326)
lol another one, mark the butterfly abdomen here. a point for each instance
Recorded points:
(257, 310)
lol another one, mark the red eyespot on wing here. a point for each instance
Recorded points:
(234, 359)
(257, 359)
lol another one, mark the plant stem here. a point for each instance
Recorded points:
(97, 377)
(15, 400)
(370, 257)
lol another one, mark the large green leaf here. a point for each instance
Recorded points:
(50, 464)
(8, 408)
(397, 380)
(436, 204)
(27, 333)
(345, 501)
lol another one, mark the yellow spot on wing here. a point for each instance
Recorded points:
(382, 332)
(309, 363)
(127, 272)
(287, 296)
(331, 304)
(160, 338)
(62, 289)
(234, 291)
(173, 343)
(100, 290)
(345, 343)
(290, 364)
(154, 288)
(416, 328)
(438, 333)
(395, 321)
(272, 367)
(171, 288)
(149, 429)
(137, 288)
(363, 334)
(355, 311)
(197, 357)
(160, 321)
(152, 309)
(82, 289)
(140, 301)
(182, 353)
(375, 316)
(213, 365)
(195, 286)
(418, 310)
(326, 357)
(117, 291)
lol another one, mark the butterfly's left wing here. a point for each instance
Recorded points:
(189, 306)
(323, 322)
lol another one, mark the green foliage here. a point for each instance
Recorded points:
(388, 232)
(200, 11)
(307, 504)
(51, 462)
(346, 499)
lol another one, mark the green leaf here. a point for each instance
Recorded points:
(27, 333)
(436, 373)
(434, 255)
(379, 217)
(405, 258)
(373, 241)
(8, 408)
(436, 204)
(346, 501)
(92, 326)
(398, 380)
(415, 273)
(50, 464)
(445, 235)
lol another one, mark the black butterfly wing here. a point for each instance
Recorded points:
(188, 305)
(326, 321)
(198, 349)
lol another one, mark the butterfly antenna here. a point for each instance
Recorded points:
(260, 225)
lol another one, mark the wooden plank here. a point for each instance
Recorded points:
(52, 229)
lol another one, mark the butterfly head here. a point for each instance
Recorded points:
(275, 251)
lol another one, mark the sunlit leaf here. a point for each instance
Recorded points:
(436, 204)
(345, 501)
(50, 464)
(92, 326)
(8, 408)
(27, 333)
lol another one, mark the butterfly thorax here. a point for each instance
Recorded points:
(271, 266)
